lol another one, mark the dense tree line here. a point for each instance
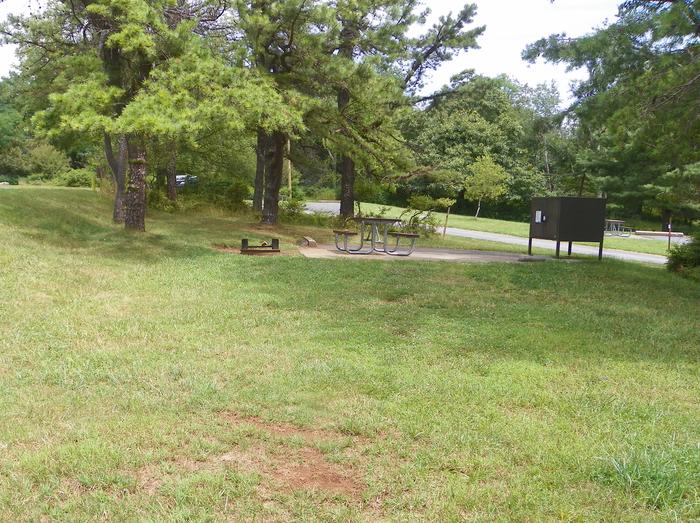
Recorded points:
(330, 93)
(153, 80)
(638, 113)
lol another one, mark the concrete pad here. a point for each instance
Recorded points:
(423, 254)
(333, 207)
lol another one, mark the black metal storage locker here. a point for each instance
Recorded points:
(568, 219)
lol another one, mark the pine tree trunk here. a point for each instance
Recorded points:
(118, 212)
(287, 170)
(346, 166)
(117, 167)
(581, 185)
(171, 174)
(347, 187)
(273, 178)
(260, 165)
(135, 195)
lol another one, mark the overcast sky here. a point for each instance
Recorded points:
(510, 26)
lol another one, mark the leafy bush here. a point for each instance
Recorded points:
(421, 202)
(685, 259)
(299, 192)
(292, 211)
(12, 180)
(418, 221)
(381, 213)
(157, 199)
(75, 178)
(419, 217)
(235, 195)
(13, 162)
(44, 162)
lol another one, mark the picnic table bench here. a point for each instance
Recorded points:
(375, 230)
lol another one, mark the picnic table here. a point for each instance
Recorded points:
(617, 228)
(376, 231)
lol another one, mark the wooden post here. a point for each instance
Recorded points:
(529, 246)
(447, 217)
(570, 243)
(558, 246)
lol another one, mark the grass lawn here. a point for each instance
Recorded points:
(522, 229)
(148, 377)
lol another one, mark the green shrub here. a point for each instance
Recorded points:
(157, 199)
(421, 222)
(685, 259)
(292, 211)
(421, 202)
(235, 196)
(75, 178)
(13, 162)
(44, 161)
(12, 180)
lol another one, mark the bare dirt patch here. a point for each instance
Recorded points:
(236, 249)
(310, 471)
(149, 479)
(285, 429)
(283, 468)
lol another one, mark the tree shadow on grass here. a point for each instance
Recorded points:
(537, 312)
(82, 226)
(79, 221)
(589, 309)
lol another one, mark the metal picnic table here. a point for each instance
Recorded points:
(375, 230)
(617, 228)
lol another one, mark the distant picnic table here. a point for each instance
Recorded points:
(617, 228)
(376, 231)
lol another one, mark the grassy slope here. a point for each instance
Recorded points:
(512, 392)
(522, 229)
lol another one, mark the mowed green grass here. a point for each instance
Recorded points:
(148, 377)
(649, 246)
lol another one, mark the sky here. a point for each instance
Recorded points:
(513, 24)
(510, 26)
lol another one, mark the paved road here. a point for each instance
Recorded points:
(334, 208)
